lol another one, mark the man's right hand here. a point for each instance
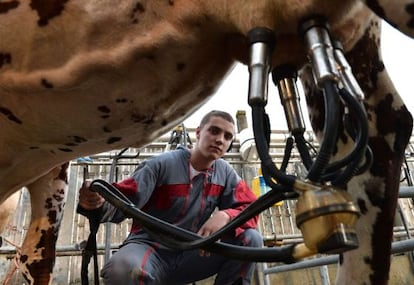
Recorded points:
(89, 200)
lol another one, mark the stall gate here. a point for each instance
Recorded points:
(277, 224)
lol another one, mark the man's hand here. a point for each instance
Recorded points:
(217, 220)
(88, 199)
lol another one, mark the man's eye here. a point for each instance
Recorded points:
(228, 137)
(214, 131)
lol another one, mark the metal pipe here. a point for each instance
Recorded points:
(406, 192)
(272, 222)
(62, 250)
(112, 178)
(323, 270)
(397, 247)
(282, 226)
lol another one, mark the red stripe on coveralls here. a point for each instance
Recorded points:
(165, 194)
(128, 187)
(143, 263)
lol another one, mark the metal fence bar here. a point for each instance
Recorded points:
(406, 192)
(397, 247)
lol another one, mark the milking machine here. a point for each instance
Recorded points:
(325, 212)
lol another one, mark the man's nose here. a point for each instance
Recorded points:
(220, 138)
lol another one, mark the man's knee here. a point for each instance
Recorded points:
(121, 270)
(253, 238)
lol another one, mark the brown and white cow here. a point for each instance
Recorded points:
(81, 77)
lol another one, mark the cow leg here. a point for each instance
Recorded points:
(376, 190)
(47, 196)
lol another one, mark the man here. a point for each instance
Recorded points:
(182, 187)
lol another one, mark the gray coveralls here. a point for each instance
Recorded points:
(141, 263)
(162, 187)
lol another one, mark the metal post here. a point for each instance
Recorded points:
(108, 224)
(323, 270)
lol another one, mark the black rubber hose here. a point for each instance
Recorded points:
(330, 132)
(361, 139)
(161, 229)
(349, 125)
(369, 157)
(360, 133)
(303, 149)
(120, 201)
(187, 240)
(287, 154)
(268, 167)
(361, 168)
(268, 199)
(276, 254)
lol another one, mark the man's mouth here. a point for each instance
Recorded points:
(216, 148)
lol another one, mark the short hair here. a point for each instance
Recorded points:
(216, 113)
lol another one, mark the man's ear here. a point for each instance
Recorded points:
(197, 133)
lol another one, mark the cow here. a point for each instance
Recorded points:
(83, 77)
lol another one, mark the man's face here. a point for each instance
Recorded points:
(215, 137)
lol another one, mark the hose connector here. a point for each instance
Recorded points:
(345, 73)
(285, 76)
(262, 42)
(315, 32)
